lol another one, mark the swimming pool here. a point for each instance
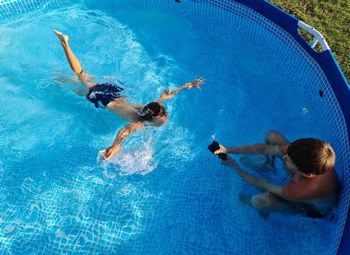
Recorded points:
(164, 193)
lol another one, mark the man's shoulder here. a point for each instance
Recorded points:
(301, 190)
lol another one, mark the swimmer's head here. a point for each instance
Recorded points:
(151, 111)
(312, 156)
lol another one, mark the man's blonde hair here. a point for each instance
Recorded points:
(312, 156)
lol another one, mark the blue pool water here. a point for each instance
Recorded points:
(164, 193)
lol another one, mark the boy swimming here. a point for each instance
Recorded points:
(313, 187)
(107, 95)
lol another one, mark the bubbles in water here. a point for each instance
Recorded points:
(28, 186)
(305, 110)
(9, 229)
(138, 161)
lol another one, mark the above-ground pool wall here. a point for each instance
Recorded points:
(11, 8)
(328, 65)
(289, 23)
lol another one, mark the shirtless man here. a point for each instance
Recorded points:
(313, 188)
(109, 95)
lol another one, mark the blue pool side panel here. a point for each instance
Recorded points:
(330, 68)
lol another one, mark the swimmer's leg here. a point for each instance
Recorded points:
(257, 162)
(73, 60)
(246, 200)
(267, 202)
(265, 162)
(274, 137)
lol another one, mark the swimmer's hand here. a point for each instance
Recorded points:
(166, 95)
(197, 83)
(110, 152)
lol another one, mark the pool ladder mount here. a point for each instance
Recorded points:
(318, 37)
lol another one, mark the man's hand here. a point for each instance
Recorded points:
(110, 152)
(222, 149)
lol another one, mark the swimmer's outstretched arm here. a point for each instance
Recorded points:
(73, 61)
(121, 136)
(274, 150)
(167, 95)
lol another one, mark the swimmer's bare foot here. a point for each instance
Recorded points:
(63, 38)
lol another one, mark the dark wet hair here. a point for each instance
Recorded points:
(152, 110)
(312, 156)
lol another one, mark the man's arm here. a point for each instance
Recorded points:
(167, 95)
(257, 182)
(121, 136)
(274, 150)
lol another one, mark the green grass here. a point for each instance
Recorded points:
(331, 18)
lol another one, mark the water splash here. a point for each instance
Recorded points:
(139, 161)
